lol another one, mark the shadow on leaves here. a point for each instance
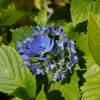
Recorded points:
(55, 95)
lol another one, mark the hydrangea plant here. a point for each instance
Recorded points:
(48, 51)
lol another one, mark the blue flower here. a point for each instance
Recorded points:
(41, 44)
(57, 31)
(38, 45)
(36, 69)
(42, 58)
(42, 29)
(50, 65)
(52, 51)
(20, 47)
(72, 54)
(60, 74)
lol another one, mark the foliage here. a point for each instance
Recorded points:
(80, 20)
(12, 76)
(91, 87)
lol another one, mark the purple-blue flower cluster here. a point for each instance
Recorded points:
(48, 51)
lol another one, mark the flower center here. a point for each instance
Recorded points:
(42, 46)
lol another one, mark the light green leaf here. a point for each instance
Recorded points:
(13, 76)
(65, 91)
(18, 34)
(41, 18)
(41, 95)
(16, 98)
(94, 33)
(81, 42)
(38, 4)
(91, 88)
(80, 10)
(91, 71)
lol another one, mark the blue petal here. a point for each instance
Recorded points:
(25, 57)
(36, 69)
(58, 30)
(51, 67)
(40, 71)
(42, 43)
(41, 58)
(61, 44)
(26, 38)
(52, 31)
(35, 30)
(20, 47)
(50, 46)
(30, 52)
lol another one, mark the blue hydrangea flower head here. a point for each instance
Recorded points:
(48, 51)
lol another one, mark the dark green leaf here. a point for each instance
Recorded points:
(11, 16)
(4, 3)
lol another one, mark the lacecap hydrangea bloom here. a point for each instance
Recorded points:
(48, 51)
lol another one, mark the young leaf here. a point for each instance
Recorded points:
(41, 18)
(13, 76)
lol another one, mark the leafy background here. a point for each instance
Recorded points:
(80, 20)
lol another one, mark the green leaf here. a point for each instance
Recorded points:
(10, 17)
(4, 3)
(41, 18)
(41, 95)
(91, 71)
(13, 76)
(91, 88)
(18, 34)
(80, 10)
(94, 33)
(68, 28)
(40, 4)
(59, 16)
(65, 91)
(16, 98)
(81, 41)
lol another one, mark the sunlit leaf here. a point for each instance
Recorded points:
(91, 88)
(65, 91)
(41, 95)
(80, 10)
(81, 42)
(13, 76)
(94, 33)
(18, 34)
(41, 18)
